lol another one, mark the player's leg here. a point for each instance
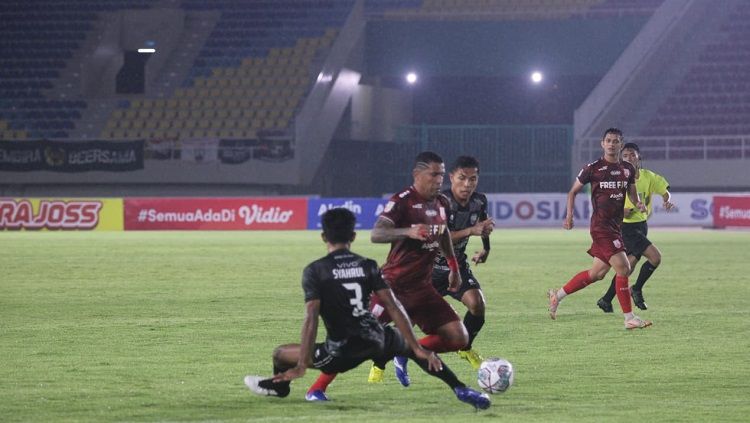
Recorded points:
(395, 345)
(284, 358)
(598, 270)
(605, 302)
(620, 263)
(435, 317)
(474, 301)
(653, 260)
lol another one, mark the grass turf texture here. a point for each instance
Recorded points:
(163, 327)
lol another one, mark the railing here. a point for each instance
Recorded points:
(714, 147)
(512, 158)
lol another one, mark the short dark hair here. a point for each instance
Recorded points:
(425, 158)
(338, 225)
(632, 146)
(615, 131)
(464, 162)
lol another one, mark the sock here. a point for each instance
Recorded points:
(438, 344)
(322, 382)
(579, 281)
(380, 363)
(646, 271)
(473, 326)
(446, 375)
(281, 388)
(623, 293)
(610, 294)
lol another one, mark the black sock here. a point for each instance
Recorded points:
(610, 294)
(473, 326)
(446, 375)
(281, 388)
(380, 362)
(646, 271)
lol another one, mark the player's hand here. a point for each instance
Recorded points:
(291, 374)
(641, 206)
(480, 256)
(668, 205)
(420, 232)
(454, 281)
(433, 361)
(488, 226)
(568, 223)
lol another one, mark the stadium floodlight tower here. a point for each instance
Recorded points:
(411, 78)
(536, 77)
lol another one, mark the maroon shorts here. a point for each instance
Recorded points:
(426, 308)
(604, 247)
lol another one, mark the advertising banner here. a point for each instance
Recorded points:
(215, 213)
(61, 214)
(548, 210)
(367, 210)
(69, 156)
(731, 211)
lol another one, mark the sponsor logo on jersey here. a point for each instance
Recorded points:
(618, 196)
(615, 173)
(348, 264)
(354, 272)
(442, 213)
(613, 184)
(403, 194)
(417, 206)
(54, 214)
(430, 245)
(617, 243)
(430, 213)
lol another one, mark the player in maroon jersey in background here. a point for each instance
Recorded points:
(414, 222)
(611, 179)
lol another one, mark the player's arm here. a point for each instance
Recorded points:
(307, 342)
(574, 190)
(385, 231)
(446, 248)
(635, 198)
(401, 319)
(481, 256)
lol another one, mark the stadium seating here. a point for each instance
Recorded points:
(714, 96)
(251, 75)
(37, 41)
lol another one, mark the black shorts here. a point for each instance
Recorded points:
(356, 351)
(634, 236)
(440, 281)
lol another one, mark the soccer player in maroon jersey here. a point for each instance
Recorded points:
(611, 179)
(414, 223)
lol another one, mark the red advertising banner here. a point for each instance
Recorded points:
(215, 213)
(731, 211)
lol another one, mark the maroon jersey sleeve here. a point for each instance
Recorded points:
(396, 208)
(584, 176)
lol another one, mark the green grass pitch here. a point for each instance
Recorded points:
(162, 326)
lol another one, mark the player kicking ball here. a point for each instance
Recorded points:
(611, 180)
(337, 288)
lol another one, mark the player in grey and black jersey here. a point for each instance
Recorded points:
(337, 288)
(467, 216)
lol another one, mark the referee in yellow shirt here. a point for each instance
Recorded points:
(635, 227)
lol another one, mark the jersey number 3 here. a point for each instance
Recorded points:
(356, 302)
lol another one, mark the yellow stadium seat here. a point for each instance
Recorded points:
(190, 124)
(130, 114)
(159, 103)
(163, 124)
(233, 103)
(211, 83)
(183, 114)
(144, 114)
(172, 103)
(221, 103)
(222, 113)
(125, 124)
(136, 103)
(178, 124)
(199, 83)
(179, 93)
(170, 114)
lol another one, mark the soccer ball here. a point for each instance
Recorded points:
(495, 375)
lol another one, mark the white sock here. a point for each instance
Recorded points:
(561, 294)
(628, 316)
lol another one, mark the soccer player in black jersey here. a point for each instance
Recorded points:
(337, 288)
(467, 216)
